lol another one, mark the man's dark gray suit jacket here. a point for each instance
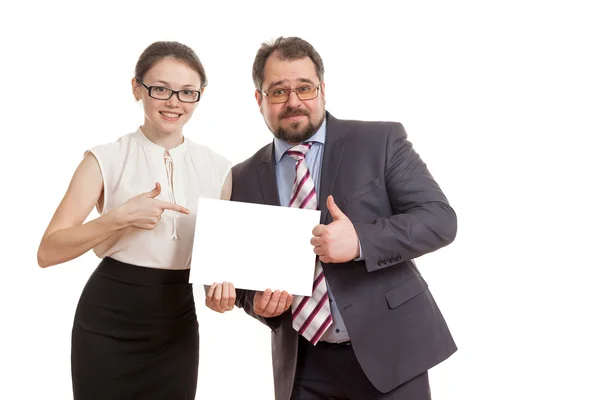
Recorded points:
(399, 213)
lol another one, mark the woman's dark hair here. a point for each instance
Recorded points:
(160, 50)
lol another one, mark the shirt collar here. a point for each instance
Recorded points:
(155, 148)
(281, 146)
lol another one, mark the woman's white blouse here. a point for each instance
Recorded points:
(130, 166)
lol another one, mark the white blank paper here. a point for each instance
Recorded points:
(254, 246)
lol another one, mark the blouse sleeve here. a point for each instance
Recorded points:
(104, 155)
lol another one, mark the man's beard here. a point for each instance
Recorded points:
(294, 134)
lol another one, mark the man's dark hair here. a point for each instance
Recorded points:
(286, 48)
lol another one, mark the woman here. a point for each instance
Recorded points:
(135, 332)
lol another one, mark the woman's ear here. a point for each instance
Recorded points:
(135, 89)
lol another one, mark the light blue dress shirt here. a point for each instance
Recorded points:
(286, 172)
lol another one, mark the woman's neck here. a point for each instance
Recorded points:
(165, 140)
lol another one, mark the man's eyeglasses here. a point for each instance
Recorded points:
(164, 93)
(304, 92)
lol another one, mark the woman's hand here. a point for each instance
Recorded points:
(144, 210)
(220, 297)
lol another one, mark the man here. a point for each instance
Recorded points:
(371, 329)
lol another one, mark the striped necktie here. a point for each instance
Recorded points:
(311, 315)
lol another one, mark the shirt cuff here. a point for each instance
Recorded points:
(361, 256)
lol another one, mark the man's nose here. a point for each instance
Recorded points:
(293, 99)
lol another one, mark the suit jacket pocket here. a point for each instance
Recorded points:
(366, 188)
(406, 291)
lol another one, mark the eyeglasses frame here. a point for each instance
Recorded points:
(295, 90)
(173, 91)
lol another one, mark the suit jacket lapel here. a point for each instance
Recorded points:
(332, 157)
(267, 178)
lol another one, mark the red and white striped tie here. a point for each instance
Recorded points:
(311, 316)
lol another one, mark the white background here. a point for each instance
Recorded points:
(499, 98)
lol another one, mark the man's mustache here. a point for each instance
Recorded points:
(293, 113)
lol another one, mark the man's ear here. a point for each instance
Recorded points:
(259, 99)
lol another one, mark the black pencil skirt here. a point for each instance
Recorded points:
(135, 335)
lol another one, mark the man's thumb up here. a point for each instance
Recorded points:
(335, 211)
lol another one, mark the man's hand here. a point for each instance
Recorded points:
(272, 304)
(338, 241)
(220, 297)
